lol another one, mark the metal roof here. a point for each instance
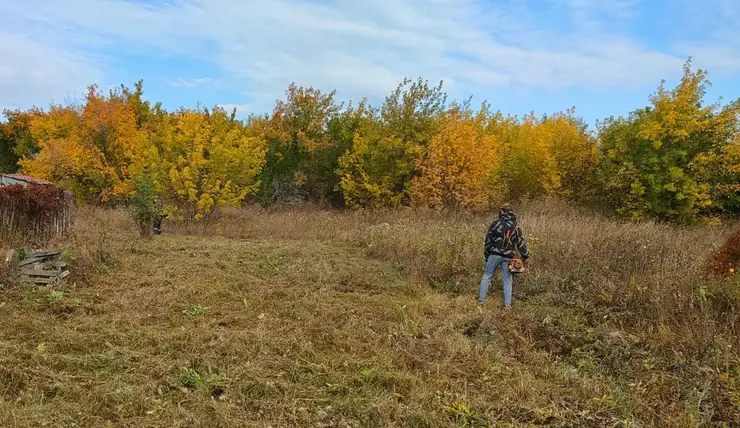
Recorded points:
(7, 179)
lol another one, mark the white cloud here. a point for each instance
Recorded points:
(33, 73)
(182, 82)
(361, 47)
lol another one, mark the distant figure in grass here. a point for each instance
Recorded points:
(502, 239)
(158, 216)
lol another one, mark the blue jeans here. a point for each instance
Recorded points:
(496, 262)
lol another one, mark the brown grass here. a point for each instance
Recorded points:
(318, 318)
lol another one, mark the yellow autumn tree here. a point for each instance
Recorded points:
(549, 156)
(728, 184)
(201, 159)
(528, 168)
(109, 127)
(456, 170)
(61, 156)
(575, 154)
(676, 159)
(719, 166)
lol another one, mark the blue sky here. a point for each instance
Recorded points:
(602, 56)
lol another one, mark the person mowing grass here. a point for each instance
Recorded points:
(504, 236)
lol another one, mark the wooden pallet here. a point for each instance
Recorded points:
(43, 268)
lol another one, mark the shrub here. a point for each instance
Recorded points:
(142, 203)
(36, 199)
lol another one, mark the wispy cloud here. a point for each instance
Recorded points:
(718, 22)
(37, 73)
(182, 82)
(361, 47)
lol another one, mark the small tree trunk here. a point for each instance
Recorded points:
(145, 229)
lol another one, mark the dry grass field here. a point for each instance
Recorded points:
(313, 318)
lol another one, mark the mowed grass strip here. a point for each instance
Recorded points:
(219, 332)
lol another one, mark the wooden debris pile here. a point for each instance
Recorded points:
(40, 267)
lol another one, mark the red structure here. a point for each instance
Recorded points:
(23, 180)
(33, 209)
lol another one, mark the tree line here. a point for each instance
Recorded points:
(676, 159)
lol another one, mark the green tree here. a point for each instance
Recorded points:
(380, 166)
(342, 130)
(143, 208)
(374, 172)
(650, 159)
(301, 154)
(143, 112)
(16, 140)
(8, 158)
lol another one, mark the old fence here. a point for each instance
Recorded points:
(34, 212)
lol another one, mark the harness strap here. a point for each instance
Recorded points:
(507, 236)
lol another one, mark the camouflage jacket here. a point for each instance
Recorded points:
(504, 236)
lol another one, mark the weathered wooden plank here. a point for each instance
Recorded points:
(45, 254)
(41, 261)
(46, 273)
(28, 261)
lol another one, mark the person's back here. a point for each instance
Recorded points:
(505, 236)
(503, 239)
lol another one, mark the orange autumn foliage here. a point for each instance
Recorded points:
(87, 149)
(457, 168)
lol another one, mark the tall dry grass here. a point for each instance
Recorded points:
(647, 274)
(643, 282)
(642, 276)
